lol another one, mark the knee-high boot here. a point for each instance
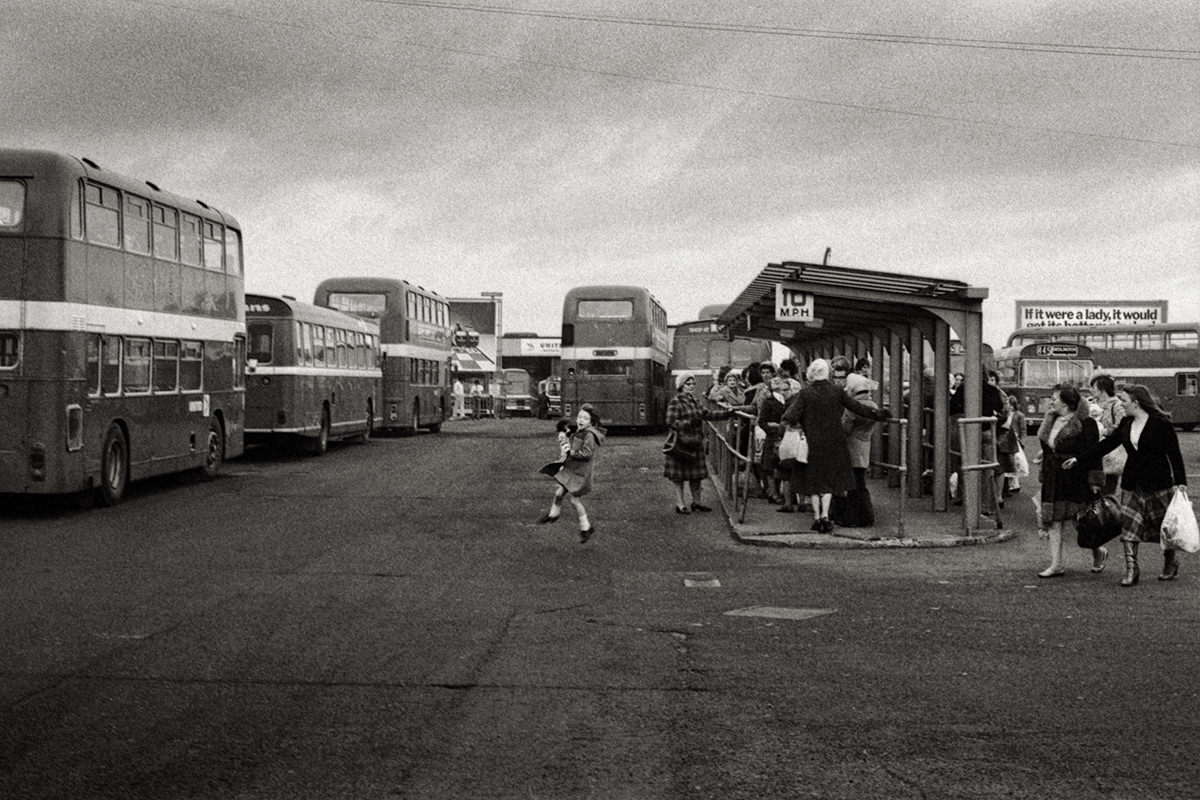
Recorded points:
(1170, 566)
(1056, 543)
(1131, 565)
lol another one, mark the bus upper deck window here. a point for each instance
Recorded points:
(12, 203)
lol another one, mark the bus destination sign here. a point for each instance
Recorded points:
(1058, 350)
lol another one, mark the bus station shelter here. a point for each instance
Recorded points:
(904, 324)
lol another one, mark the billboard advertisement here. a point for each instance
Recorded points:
(1064, 313)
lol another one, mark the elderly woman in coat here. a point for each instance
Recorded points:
(817, 409)
(685, 417)
(857, 510)
(1065, 433)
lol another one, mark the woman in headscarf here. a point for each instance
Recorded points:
(817, 410)
(685, 416)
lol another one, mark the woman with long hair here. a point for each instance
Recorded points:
(1066, 432)
(1153, 471)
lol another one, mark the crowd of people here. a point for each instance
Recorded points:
(807, 443)
(1095, 441)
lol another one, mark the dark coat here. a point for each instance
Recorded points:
(1065, 491)
(575, 475)
(817, 409)
(1155, 464)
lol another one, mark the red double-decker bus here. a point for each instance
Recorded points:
(122, 335)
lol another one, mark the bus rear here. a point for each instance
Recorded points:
(614, 355)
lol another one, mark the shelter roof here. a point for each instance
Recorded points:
(847, 301)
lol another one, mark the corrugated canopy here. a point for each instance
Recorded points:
(847, 301)
(472, 359)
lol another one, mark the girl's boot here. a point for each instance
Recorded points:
(1170, 566)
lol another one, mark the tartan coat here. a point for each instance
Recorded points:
(686, 414)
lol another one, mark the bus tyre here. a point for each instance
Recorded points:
(214, 450)
(114, 467)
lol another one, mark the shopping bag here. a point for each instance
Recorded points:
(793, 446)
(1022, 463)
(1098, 522)
(685, 446)
(760, 438)
(1179, 531)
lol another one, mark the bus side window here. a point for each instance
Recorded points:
(1187, 384)
(10, 349)
(191, 366)
(137, 225)
(136, 369)
(110, 365)
(318, 345)
(166, 233)
(93, 366)
(103, 215)
(214, 247)
(166, 367)
(189, 240)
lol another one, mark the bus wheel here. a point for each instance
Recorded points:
(321, 446)
(1188, 427)
(214, 451)
(114, 468)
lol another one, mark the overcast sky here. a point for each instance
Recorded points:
(1041, 150)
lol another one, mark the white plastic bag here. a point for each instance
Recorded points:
(1022, 463)
(1179, 530)
(793, 446)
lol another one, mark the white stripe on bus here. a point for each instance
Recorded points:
(414, 351)
(40, 315)
(332, 372)
(1130, 374)
(590, 353)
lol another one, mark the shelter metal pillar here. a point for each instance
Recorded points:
(916, 405)
(877, 346)
(941, 415)
(895, 398)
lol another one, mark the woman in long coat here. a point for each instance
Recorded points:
(1067, 431)
(1153, 471)
(686, 417)
(817, 409)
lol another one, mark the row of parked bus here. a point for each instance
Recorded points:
(128, 347)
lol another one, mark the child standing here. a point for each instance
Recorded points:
(575, 475)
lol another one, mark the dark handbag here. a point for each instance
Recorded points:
(1099, 521)
(687, 447)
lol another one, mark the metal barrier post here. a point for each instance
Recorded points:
(989, 466)
(900, 469)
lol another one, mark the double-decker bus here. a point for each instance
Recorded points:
(615, 356)
(312, 373)
(1031, 371)
(414, 341)
(1165, 358)
(700, 350)
(122, 336)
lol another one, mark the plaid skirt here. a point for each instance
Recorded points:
(1142, 514)
(678, 471)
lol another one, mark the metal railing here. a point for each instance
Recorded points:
(901, 469)
(730, 465)
(989, 466)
